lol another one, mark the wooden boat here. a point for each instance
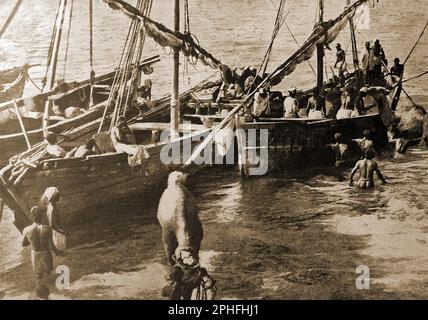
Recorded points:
(94, 181)
(31, 111)
(304, 138)
(88, 183)
(12, 83)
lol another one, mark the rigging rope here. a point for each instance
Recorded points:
(417, 42)
(298, 44)
(34, 83)
(91, 52)
(91, 34)
(68, 39)
(355, 29)
(295, 40)
(115, 80)
(125, 75)
(279, 21)
(415, 77)
(129, 72)
(50, 51)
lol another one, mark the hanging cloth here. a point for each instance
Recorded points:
(224, 138)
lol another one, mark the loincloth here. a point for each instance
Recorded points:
(365, 184)
(42, 262)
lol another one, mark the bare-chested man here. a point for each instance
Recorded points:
(366, 143)
(366, 167)
(39, 237)
(341, 150)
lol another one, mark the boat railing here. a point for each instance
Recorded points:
(61, 163)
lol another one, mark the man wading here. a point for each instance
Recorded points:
(366, 167)
(39, 237)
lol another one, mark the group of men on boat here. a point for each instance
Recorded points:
(342, 96)
(122, 139)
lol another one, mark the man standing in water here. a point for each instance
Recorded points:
(366, 167)
(39, 237)
(341, 151)
(366, 142)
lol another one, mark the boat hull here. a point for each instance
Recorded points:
(87, 184)
(294, 143)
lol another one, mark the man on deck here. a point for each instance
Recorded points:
(316, 106)
(397, 69)
(261, 102)
(366, 167)
(53, 149)
(123, 139)
(340, 61)
(291, 105)
(88, 149)
(378, 51)
(122, 135)
(145, 91)
(369, 65)
(347, 109)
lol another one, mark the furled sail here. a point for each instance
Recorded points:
(166, 37)
(324, 33)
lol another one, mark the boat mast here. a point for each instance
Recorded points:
(11, 16)
(353, 41)
(91, 52)
(54, 59)
(175, 102)
(57, 44)
(320, 49)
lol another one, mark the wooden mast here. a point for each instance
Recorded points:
(57, 46)
(320, 49)
(10, 18)
(54, 60)
(91, 52)
(353, 41)
(175, 103)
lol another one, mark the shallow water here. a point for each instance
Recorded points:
(292, 235)
(298, 234)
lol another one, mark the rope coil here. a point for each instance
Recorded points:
(191, 278)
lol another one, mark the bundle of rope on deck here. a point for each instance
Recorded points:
(188, 278)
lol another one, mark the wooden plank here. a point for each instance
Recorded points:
(197, 116)
(212, 105)
(156, 126)
(21, 123)
(81, 171)
(1, 208)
